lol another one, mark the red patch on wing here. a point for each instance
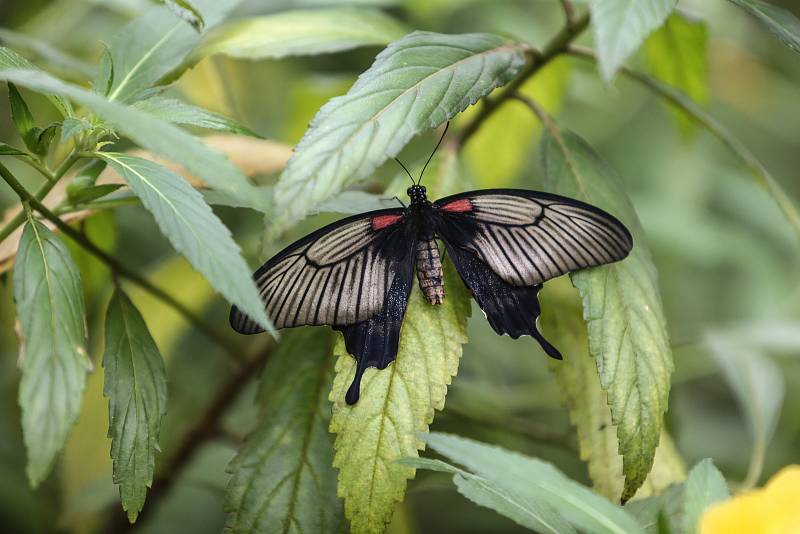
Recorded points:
(382, 221)
(458, 206)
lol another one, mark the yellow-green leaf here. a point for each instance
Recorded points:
(396, 404)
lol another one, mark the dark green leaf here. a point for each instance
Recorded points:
(154, 45)
(105, 73)
(151, 133)
(532, 480)
(302, 32)
(42, 138)
(622, 308)
(47, 291)
(8, 150)
(22, 117)
(185, 10)
(88, 194)
(11, 60)
(704, 487)
(136, 387)
(179, 112)
(677, 55)
(415, 84)
(282, 478)
(620, 26)
(778, 20)
(193, 230)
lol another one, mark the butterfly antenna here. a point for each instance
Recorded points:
(404, 168)
(434, 151)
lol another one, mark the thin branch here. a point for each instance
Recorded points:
(569, 12)
(200, 433)
(675, 97)
(554, 48)
(52, 179)
(118, 268)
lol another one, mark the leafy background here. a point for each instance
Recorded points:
(726, 255)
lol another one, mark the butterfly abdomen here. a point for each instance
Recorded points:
(429, 270)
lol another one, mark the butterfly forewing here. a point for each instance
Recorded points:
(338, 275)
(528, 237)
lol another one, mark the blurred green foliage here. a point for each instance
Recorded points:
(727, 259)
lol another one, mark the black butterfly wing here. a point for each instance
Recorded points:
(506, 242)
(339, 275)
(354, 275)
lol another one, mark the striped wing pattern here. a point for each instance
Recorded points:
(528, 237)
(338, 275)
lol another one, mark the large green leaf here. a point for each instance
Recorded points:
(779, 21)
(622, 308)
(47, 52)
(193, 230)
(587, 402)
(154, 45)
(704, 487)
(534, 480)
(396, 404)
(759, 386)
(179, 112)
(136, 387)
(676, 54)
(47, 290)
(11, 60)
(532, 513)
(301, 32)
(283, 480)
(620, 26)
(151, 133)
(415, 84)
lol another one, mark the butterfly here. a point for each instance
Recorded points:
(356, 274)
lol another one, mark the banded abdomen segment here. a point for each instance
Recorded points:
(429, 270)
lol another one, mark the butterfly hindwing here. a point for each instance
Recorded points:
(339, 275)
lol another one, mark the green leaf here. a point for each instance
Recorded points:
(87, 194)
(301, 32)
(676, 54)
(530, 513)
(136, 387)
(415, 84)
(22, 117)
(502, 146)
(622, 308)
(534, 480)
(154, 45)
(43, 138)
(282, 477)
(152, 134)
(758, 385)
(653, 512)
(396, 404)
(179, 112)
(11, 60)
(105, 73)
(183, 9)
(193, 229)
(47, 52)
(47, 291)
(8, 150)
(779, 21)
(704, 487)
(620, 26)
(72, 126)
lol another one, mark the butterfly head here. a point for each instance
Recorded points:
(417, 193)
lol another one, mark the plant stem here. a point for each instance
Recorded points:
(569, 12)
(194, 438)
(52, 179)
(762, 175)
(118, 268)
(554, 48)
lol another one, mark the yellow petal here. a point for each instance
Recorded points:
(774, 509)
